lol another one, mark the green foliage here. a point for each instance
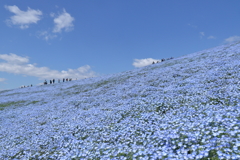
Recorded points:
(4, 91)
(212, 155)
(8, 104)
(128, 155)
(17, 103)
(102, 83)
(13, 94)
(215, 101)
(33, 102)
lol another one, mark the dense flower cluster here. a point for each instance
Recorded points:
(184, 108)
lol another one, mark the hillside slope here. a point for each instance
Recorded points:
(184, 108)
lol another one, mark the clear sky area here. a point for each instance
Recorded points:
(56, 39)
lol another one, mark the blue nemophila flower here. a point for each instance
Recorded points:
(186, 108)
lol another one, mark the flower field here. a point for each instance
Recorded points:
(183, 108)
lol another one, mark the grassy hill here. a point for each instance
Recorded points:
(184, 108)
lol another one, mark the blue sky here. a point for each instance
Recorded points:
(80, 39)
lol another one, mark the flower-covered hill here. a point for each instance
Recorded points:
(184, 108)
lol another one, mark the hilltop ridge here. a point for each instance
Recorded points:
(187, 107)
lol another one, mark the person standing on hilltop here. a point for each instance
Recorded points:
(53, 80)
(50, 81)
(63, 79)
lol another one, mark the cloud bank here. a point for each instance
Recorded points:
(232, 39)
(19, 65)
(13, 58)
(211, 37)
(144, 62)
(2, 79)
(23, 18)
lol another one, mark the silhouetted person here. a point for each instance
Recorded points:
(31, 85)
(67, 79)
(53, 80)
(50, 81)
(63, 79)
(45, 82)
(153, 62)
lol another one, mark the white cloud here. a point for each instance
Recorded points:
(23, 18)
(14, 59)
(211, 37)
(202, 34)
(52, 15)
(144, 62)
(2, 79)
(14, 66)
(232, 39)
(63, 21)
(46, 35)
(191, 25)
